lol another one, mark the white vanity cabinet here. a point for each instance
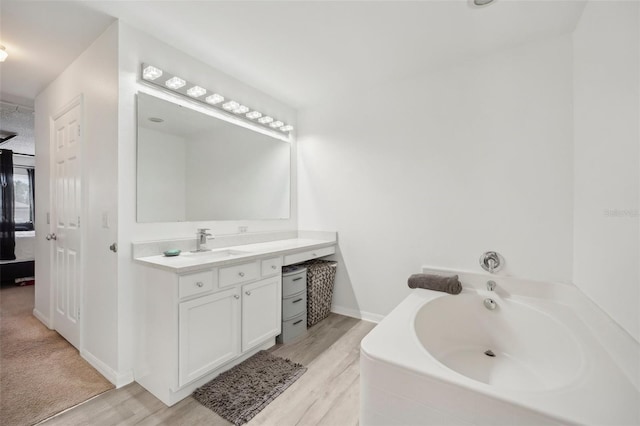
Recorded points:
(198, 324)
(199, 314)
(209, 333)
(261, 307)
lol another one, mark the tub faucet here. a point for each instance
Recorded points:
(491, 261)
(201, 239)
(491, 285)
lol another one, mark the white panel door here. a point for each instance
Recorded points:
(261, 311)
(209, 333)
(66, 207)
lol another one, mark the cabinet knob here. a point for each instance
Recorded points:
(313, 254)
(236, 296)
(248, 293)
(241, 274)
(273, 266)
(200, 284)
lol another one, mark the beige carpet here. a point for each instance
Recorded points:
(41, 374)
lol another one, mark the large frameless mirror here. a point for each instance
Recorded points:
(196, 167)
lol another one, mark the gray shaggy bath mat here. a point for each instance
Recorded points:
(243, 391)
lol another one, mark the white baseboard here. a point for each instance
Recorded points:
(42, 319)
(354, 313)
(118, 379)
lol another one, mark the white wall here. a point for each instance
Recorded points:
(135, 48)
(94, 76)
(162, 170)
(606, 188)
(437, 169)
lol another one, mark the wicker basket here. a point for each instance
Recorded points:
(321, 275)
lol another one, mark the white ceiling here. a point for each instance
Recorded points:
(296, 51)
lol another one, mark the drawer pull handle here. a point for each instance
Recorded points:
(241, 274)
(297, 322)
(297, 300)
(200, 284)
(248, 293)
(297, 279)
(237, 296)
(273, 266)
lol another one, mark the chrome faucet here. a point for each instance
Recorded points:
(491, 285)
(201, 239)
(490, 261)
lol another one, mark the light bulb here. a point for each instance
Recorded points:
(276, 124)
(241, 109)
(286, 128)
(253, 115)
(265, 120)
(196, 91)
(214, 99)
(175, 83)
(151, 73)
(230, 105)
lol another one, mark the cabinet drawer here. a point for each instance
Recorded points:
(197, 283)
(271, 266)
(293, 328)
(238, 274)
(294, 283)
(294, 305)
(308, 255)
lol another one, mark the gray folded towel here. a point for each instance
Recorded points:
(449, 285)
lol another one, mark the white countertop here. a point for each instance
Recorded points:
(188, 262)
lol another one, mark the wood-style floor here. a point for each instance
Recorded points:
(327, 394)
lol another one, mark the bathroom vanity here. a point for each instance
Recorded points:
(202, 313)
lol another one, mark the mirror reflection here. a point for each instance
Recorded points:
(195, 167)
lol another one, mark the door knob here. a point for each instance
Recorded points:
(50, 237)
(114, 247)
(248, 293)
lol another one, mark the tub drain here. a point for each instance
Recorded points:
(490, 353)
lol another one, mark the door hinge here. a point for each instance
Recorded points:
(78, 221)
(78, 316)
(78, 130)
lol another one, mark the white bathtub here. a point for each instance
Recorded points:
(558, 359)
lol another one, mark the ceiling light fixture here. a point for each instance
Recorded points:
(3, 53)
(158, 78)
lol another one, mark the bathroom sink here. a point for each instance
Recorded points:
(216, 254)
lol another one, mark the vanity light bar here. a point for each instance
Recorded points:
(157, 77)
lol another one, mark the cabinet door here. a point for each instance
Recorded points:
(261, 311)
(209, 333)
